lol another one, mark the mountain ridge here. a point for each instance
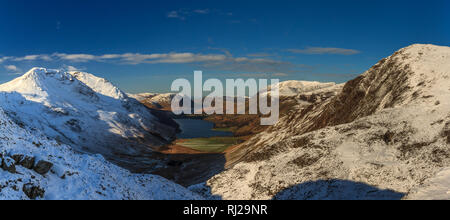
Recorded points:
(386, 130)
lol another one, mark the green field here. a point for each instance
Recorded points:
(211, 145)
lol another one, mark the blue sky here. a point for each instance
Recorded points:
(142, 46)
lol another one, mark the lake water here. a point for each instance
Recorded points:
(192, 128)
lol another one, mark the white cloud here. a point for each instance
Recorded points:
(259, 55)
(249, 65)
(12, 69)
(71, 68)
(188, 58)
(33, 58)
(255, 75)
(325, 50)
(202, 11)
(175, 14)
(182, 14)
(127, 58)
(3, 59)
(26, 58)
(280, 74)
(219, 61)
(76, 57)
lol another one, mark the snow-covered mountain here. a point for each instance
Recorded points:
(155, 100)
(386, 135)
(34, 167)
(83, 111)
(294, 87)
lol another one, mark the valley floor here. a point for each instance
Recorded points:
(195, 160)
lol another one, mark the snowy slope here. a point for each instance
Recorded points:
(84, 111)
(142, 96)
(155, 100)
(385, 136)
(294, 87)
(73, 175)
(437, 187)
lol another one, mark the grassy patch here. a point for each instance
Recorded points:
(224, 129)
(211, 145)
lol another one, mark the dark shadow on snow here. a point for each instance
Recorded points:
(336, 190)
(190, 169)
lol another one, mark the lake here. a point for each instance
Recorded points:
(191, 128)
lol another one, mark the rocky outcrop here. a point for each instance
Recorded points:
(27, 162)
(42, 167)
(33, 191)
(7, 164)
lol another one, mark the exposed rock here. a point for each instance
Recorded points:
(306, 160)
(446, 132)
(42, 167)
(8, 165)
(24, 161)
(74, 124)
(27, 162)
(33, 191)
(17, 158)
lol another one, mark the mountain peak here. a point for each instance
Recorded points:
(41, 73)
(45, 81)
(81, 109)
(423, 46)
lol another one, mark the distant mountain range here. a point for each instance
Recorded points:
(383, 135)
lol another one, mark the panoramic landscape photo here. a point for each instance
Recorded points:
(224, 100)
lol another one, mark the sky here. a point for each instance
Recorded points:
(143, 45)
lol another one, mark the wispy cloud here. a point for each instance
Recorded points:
(33, 57)
(324, 50)
(259, 55)
(72, 68)
(127, 58)
(176, 14)
(223, 50)
(219, 61)
(137, 58)
(202, 11)
(12, 69)
(3, 59)
(183, 14)
(261, 75)
(280, 74)
(58, 25)
(26, 58)
(249, 65)
(76, 57)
